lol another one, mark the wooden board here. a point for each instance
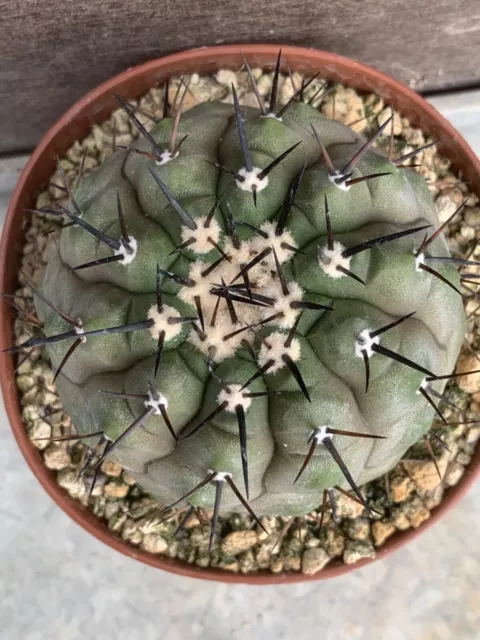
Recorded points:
(53, 51)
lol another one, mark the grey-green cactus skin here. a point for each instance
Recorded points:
(278, 426)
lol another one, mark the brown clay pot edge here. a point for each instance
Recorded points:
(95, 107)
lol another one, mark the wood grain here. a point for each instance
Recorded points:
(53, 51)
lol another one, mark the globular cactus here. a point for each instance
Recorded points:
(251, 299)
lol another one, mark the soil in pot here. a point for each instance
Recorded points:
(402, 500)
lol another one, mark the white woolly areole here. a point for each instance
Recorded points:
(282, 304)
(213, 345)
(330, 259)
(234, 396)
(250, 315)
(128, 250)
(202, 234)
(276, 350)
(320, 434)
(274, 241)
(246, 252)
(273, 116)
(165, 157)
(423, 385)
(340, 185)
(202, 284)
(364, 342)
(263, 277)
(155, 402)
(251, 180)
(160, 322)
(220, 476)
(79, 330)
(419, 260)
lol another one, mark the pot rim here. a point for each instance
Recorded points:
(96, 106)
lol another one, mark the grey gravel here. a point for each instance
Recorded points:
(313, 560)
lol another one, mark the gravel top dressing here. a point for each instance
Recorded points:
(403, 499)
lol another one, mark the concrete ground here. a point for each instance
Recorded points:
(59, 583)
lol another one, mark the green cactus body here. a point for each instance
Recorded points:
(204, 367)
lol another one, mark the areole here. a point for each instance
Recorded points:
(97, 106)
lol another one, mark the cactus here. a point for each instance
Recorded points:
(253, 300)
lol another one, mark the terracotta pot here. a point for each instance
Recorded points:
(96, 107)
